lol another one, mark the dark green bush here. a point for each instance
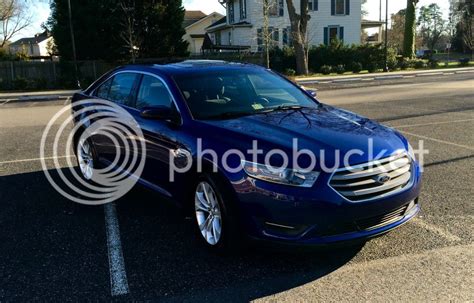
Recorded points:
(419, 64)
(40, 84)
(339, 69)
(372, 67)
(20, 83)
(290, 72)
(356, 67)
(433, 63)
(325, 69)
(464, 61)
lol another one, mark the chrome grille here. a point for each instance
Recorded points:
(373, 179)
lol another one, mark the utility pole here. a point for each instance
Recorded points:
(386, 37)
(73, 44)
(380, 11)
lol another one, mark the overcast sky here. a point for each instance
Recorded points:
(41, 10)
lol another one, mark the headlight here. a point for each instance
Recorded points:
(285, 176)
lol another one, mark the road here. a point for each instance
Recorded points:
(53, 249)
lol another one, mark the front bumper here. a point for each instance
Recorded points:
(320, 216)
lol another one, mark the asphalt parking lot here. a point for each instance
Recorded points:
(54, 249)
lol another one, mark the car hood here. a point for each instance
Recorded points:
(323, 128)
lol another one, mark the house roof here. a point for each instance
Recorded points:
(32, 40)
(222, 24)
(191, 17)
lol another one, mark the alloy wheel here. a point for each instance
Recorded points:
(86, 160)
(208, 213)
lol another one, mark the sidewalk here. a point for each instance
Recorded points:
(36, 96)
(384, 76)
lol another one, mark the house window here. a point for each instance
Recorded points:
(230, 38)
(260, 39)
(275, 36)
(281, 8)
(243, 9)
(231, 12)
(340, 7)
(286, 36)
(313, 5)
(272, 7)
(218, 38)
(332, 33)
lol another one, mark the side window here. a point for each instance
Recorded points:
(103, 90)
(121, 88)
(153, 92)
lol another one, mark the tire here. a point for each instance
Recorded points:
(87, 159)
(220, 212)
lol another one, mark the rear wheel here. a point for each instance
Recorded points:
(86, 159)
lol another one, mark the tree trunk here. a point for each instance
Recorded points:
(299, 26)
(410, 29)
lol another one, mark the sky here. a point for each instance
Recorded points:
(40, 10)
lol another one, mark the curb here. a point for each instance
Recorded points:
(381, 78)
(34, 99)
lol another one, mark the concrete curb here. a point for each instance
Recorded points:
(34, 99)
(380, 77)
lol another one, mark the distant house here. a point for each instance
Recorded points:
(195, 24)
(36, 46)
(243, 25)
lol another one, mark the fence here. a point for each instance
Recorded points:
(20, 75)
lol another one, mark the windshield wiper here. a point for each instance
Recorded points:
(283, 108)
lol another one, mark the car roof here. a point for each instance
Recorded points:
(191, 66)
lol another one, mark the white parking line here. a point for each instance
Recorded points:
(5, 102)
(437, 140)
(36, 159)
(118, 274)
(433, 123)
(435, 229)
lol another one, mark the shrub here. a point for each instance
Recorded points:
(339, 69)
(405, 63)
(372, 67)
(20, 83)
(419, 64)
(433, 63)
(464, 61)
(325, 70)
(356, 67)
(40, 84)
(290, 72)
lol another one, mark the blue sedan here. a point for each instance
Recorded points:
(250, 154)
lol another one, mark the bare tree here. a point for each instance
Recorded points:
(268, 34)
(14, 17)
(299, 27)
(128, 34)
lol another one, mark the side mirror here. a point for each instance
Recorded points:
(158, 113)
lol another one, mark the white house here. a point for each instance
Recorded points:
(36, 46)
(195, 24)
(242, 27)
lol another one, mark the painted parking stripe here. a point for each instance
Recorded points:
(433, 123)
(438, 140)
(435, 229)
(36, 159)
(118, 275)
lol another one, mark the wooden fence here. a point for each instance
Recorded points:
(61, 74)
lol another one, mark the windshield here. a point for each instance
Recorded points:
(227, 94)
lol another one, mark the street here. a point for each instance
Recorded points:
(54, 249)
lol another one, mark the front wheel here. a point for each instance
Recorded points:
(214, 220)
